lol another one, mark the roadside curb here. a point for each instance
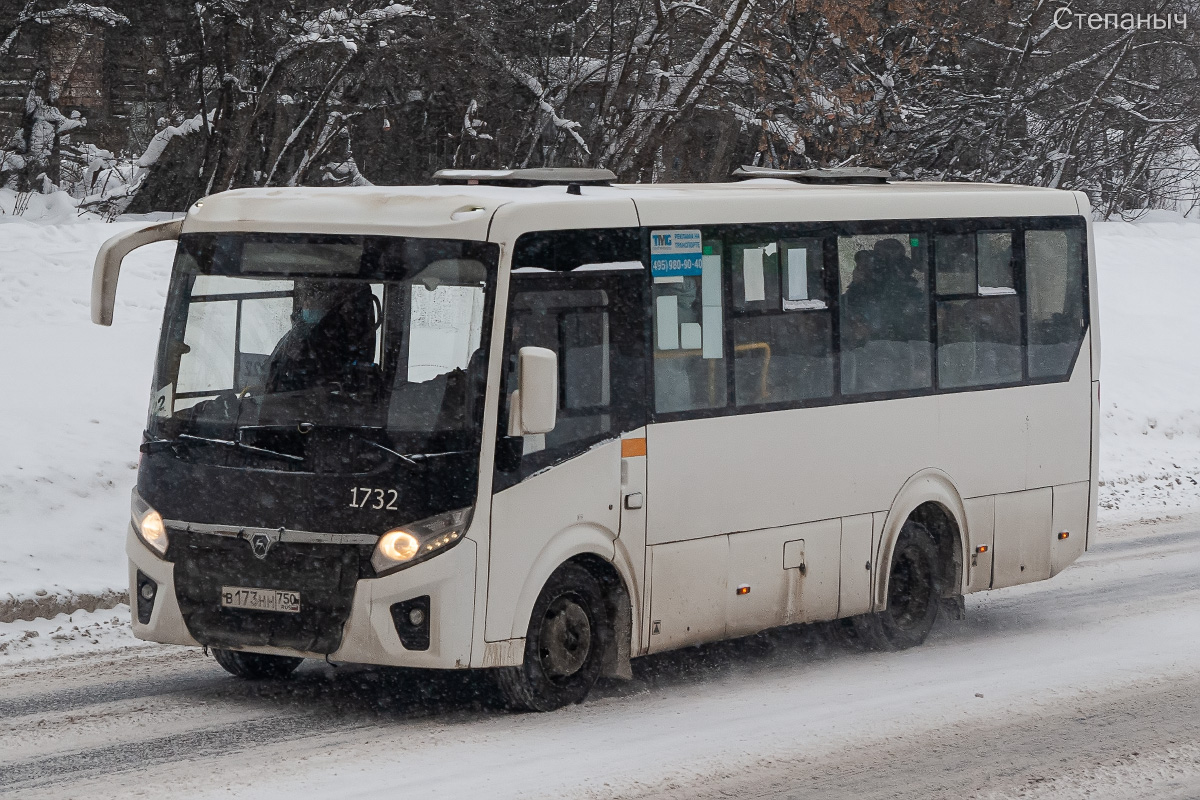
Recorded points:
(28, 608)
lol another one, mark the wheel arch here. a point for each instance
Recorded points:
(592, 549)
(931, 498)
(568, 544)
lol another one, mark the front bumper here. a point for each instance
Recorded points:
(369, 634)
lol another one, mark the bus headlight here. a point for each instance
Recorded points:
(148, 524)
(400, 547)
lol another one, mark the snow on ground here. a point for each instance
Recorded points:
(1032, 649)
(75, 395)
(1150, 367)
(73, 404)
(64, 634)
(1083, 686)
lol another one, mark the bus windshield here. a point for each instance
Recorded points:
(323, 353)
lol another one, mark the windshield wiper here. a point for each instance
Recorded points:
(185, 438)
(407, 459)
(308, 427)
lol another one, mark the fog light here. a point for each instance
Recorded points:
(411, 618)
(146, 590)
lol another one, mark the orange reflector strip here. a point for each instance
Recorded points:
(981, 549)
(1064, 534)
(631, 448)
(743, 589)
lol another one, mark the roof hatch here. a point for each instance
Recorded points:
(822, 175)
(539, 176)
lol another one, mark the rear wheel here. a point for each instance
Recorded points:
(912, 600)
(564, 647)
(256, 666)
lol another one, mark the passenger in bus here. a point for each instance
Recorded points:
(885, 321)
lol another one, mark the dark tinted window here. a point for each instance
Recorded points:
(979, 342)
(595, 322)
(797, 314)
(978, 311)
(1054, 280)
(564, 251)
(689, 331)
(781, 324)
(574, 324)
(885, 345)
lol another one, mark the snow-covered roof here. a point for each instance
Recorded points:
(466, 212)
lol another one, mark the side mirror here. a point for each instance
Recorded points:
(534, 406)
(108, 263)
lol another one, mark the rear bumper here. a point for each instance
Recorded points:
(369, 635)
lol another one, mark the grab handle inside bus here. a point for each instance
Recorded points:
(108, 263)
(535, 403)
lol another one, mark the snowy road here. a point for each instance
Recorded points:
(1090, 686)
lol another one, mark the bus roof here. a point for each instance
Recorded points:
(466, 212)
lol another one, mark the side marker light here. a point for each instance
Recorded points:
(981, 549)
(743, 589)
(1063, 534)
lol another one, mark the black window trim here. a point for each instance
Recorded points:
(828, 232)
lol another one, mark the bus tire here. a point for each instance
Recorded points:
(914, 595)
(256, 666)
(564, 646)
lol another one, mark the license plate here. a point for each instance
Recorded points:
(260, 599)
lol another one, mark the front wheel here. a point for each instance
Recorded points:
(912, 600)
(564, 647)
(256, 666)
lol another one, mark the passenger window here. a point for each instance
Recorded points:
(885, 343)
(688, 308)
(1054, 281)
(995, 254)
(978, 311)
(782, 327)
(977, 263)
(956, 266)
(979, 342)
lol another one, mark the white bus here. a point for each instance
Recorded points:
(538, 422)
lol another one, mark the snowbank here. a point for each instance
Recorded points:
(56, 208)
(74, 395)
(1150, 367)
(73, 405)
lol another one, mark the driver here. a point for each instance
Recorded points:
(333, 331)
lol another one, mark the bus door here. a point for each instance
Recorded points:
(579, 482)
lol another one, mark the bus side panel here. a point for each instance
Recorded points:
(981, 527)
(1094, 500)
(1070, 517)
(538, 524)
(858, 543)
(757, 471)
(687, 592)
(1023, 536)
(1060, 427)
(789, 575)
(981, 439)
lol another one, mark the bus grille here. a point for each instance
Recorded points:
(325, 576)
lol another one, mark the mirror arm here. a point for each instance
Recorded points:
(108, 263)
